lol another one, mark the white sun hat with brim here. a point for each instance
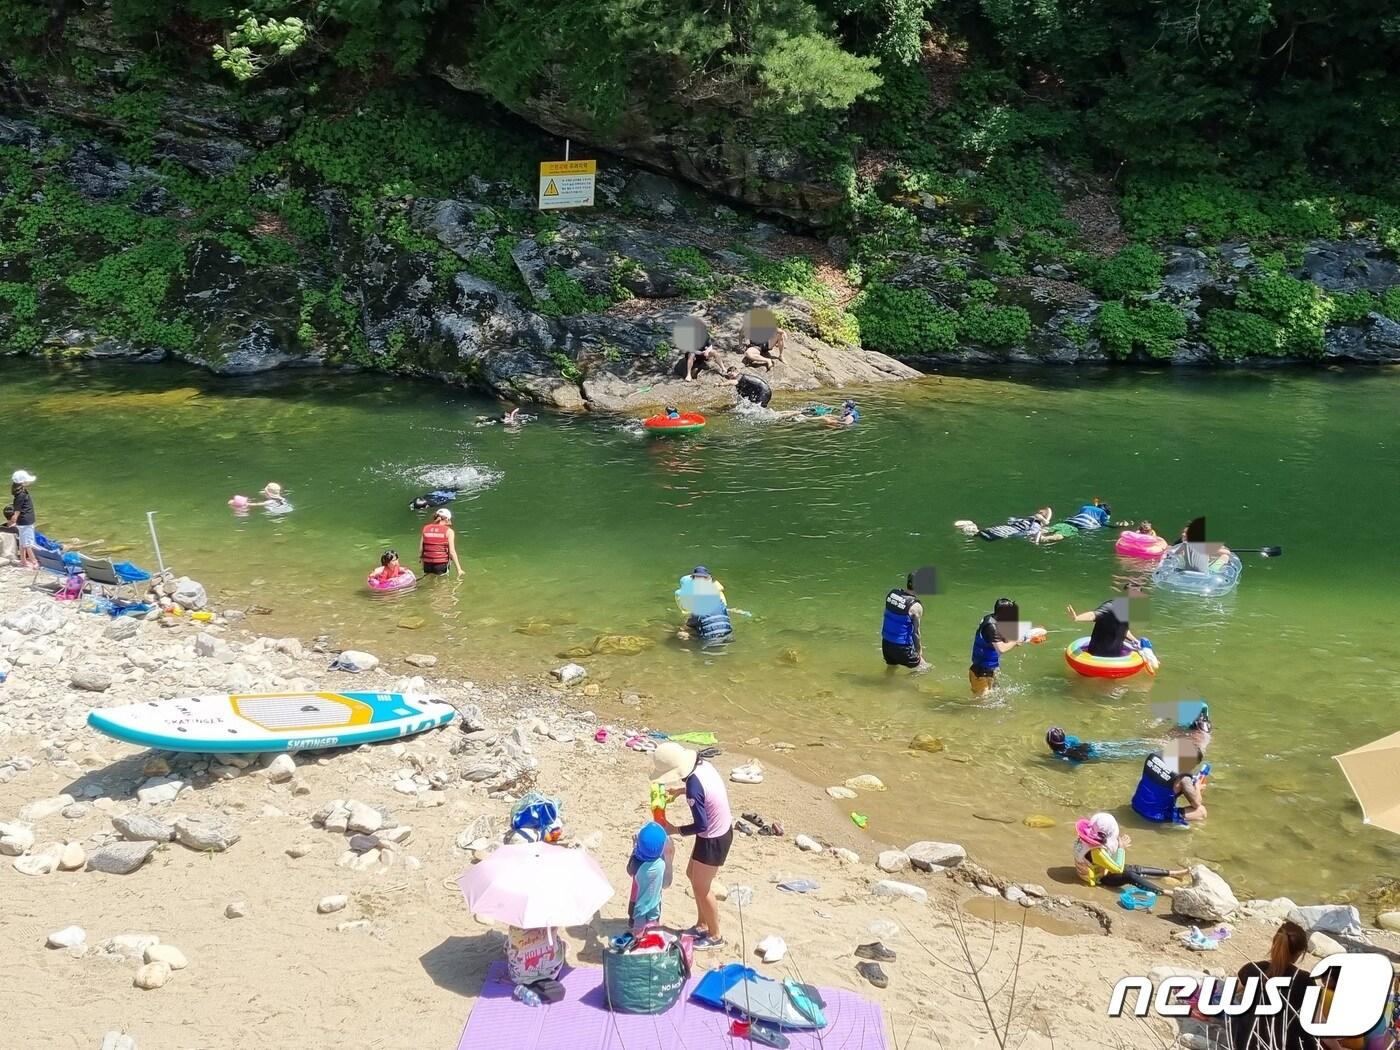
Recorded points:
(671, 762)
(23, 477)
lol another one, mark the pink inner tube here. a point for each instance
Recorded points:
(400, 582)
(1140, 545)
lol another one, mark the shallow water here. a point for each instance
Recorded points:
(575, 527)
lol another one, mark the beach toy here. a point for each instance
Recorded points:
(1149, 655)
(659, 800)
(203, 616)
(1090, 666)
(685, 423)
(859, 819)
(1135, 898)
(1140, 545)
(1035, 635)
(401, 582)
(1222, 577)
(239, 503)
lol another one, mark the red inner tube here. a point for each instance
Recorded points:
(686, 419)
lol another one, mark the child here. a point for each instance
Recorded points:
(389, 567)
(672, 412)
(272, 499)
(647, 866)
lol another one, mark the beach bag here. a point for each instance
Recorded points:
(535, 818)
(643, 982)
(533, 955)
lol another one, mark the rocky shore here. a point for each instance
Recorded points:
(193, 900)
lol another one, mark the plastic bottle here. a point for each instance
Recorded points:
(527, 995)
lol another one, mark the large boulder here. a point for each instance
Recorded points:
(935, 856)
(1208, 898)
(1327, 918)
(245, 318)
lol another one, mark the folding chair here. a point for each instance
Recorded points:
(52, 562)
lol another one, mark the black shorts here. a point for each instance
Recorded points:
(436, 570)
(982, 672)
(900, 655)
(713, 852)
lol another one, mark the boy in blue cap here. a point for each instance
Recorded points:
(647, 866)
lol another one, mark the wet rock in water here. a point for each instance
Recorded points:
(1208, 898)
(281, 769)
(994, 818)
(334, 903)
(926, 742)
(68, 937)
(158, 790)
(569, 673)
(424, 660)
(1389, 920)
(412, 623)
(840, 792)
(168, 954)
(807, 844)
(91, 679)
(889, 889)
(1038, 820)
(36, 864)
(120, 858)
(620, 644)
(236, 910)
(533, 628)
(362, 818)
(136, 827)
(935, 856)
(892, 861)
(45, 808)
(790, 656)
(15, 839)
(152, 976)
(205, 834)
(865, 782)
(576, 652)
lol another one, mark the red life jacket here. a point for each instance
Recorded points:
(435, 550)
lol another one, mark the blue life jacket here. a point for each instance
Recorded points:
(713, 625)
(898, 627)
(984, 653)
(1089, 517)
(1155, 798)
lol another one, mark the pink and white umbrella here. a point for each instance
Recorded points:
(535, 884)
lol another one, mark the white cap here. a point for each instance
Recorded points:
(23, 477)
(444, 514)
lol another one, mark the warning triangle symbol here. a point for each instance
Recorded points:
(551, 190)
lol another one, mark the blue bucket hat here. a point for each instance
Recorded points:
(651, 841)
(700, 570)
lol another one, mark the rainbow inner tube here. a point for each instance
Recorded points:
(1090, 666)
(1222, 578)
(685, 423)
(1140, 545)
(402, 582)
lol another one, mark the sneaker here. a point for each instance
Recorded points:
(872, 972)
(876, 951)
(705, 943)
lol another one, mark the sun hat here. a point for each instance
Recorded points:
(700, 570)
(444, 514)
(22, 477)
(672, 762)
(272, 489)
(651, 841)
(1099, 830)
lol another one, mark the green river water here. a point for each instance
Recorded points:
(579, 526)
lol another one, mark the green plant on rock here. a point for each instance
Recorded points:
(1132, 271)
(1353, 307)
(1300, 309)
(1153, 327)
(981, 291)
(568, 368)
(568, 297)
(903, 321)
(1001, 326)
(254, 42)
(1236, 334)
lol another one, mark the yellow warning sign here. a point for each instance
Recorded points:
(567, 183)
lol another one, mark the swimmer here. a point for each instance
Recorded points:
(1029, 527)
(850, 415)
(1110, 636)
(439, 545)
(1071, 749)
(273, 499)
(1196, 555)
(672, 412)
(436, 498)
(389, 567)
(988, 644)
(749, 387)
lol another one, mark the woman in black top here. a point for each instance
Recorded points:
(1284, 1030)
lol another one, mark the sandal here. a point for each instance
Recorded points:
(743, 827)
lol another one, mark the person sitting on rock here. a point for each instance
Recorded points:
(706, 355)
(765, 352)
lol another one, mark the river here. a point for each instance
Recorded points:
(577, 526)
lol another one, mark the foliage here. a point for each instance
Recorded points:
(1353, 307)
(1132, 271)
(980, 290)
(1300, 309)
(1153, 327)
(1235, 334)
(244, 59)
(567, 296)
(903, 321)
(994, 325)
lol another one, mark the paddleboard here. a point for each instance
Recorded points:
(270, 721)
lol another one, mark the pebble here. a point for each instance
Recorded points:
(424, 660)
(845, 856)
(115, 1040)
(130, 945)
(1032, 889)
(807, 844)
(569, 673)
(137, 827)
(892, 861)
(36, 864)
(865, 782)
(889, 889)
(931, 856)
(397, 835)
(73, 857)
(91, 679)
(362, 818)
(926, 742)
(1038, 820)
(1322, 945)
(15, 839)
(152, 976)
(281, 769)
(350, 925)
(158, 790)
(168, 954)
(120, 858)
(884, 929)
(45, 807)
(205, 834)
(300, 850)
(1014, 895)
(334, 903)
(1389, 920)
(236, 909)
(990, 891)
(68, 937)
(77, 811)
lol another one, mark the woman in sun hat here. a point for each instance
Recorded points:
(1100, 851)
(21, 516)
(683, 772)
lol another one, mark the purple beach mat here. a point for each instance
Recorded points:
(582, 1021)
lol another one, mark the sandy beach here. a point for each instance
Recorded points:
(401, 963)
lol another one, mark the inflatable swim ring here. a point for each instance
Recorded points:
(1140, 545)
(401, 582)
(685, 423)
(1090, 666)
(1223, 577)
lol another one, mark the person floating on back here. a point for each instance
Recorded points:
(900, 640)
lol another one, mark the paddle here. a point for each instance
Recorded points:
(1268, 552)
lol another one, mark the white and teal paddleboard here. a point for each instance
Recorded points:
(270, 721)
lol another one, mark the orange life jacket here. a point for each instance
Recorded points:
(435, 550)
